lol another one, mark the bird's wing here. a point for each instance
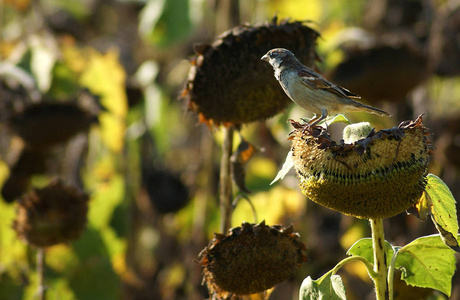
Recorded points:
(315, 81)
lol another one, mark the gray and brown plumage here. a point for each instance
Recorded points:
(312, 91)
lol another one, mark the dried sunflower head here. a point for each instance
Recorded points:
(383, 71)
(251, 259)
(46, 124)
(378, 176)
(229, 84)
(52, 215)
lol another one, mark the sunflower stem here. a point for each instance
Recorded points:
(380, 267)
(226, 195)
(391, 271)
(41, 289)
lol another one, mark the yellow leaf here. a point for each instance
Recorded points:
(297, 9)
(355, 232)
(104, 76)
(272, 206)
(74, 58)
(423, 207)
(112, 131)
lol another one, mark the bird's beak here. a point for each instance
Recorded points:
(265, 57)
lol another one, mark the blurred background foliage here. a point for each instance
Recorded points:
(151, 169)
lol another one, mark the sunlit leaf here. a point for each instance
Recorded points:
(165, 22)
(108, 187)
(42, 62)
(287, 166)
(327, 287)
(427, 262)
(150, 15)
(105, 76)
(363, 248)
(329, 120)
(297, 9)
(60, 258)
(422, 208)
(356, 231)
(13, 252)
(75, 58)
(443, 209)
(274, 205)
(340, 118)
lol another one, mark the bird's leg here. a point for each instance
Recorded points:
(315, 120)
(307, 121)
(311, 123)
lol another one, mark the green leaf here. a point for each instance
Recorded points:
(426, 262)
(95, 277)
(327, 287)
(287, 166)
(444, 213)
(165, 22)
(336, 119)
(340, 118)
(363, 247)
(65, 82)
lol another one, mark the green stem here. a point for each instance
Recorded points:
(41, 290)
(366, 263)
(380, 267)
(391, 272)
(226, 195)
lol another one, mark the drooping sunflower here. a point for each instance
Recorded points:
(229, 84)
(54, 214)
(251, 259)
(375, 177)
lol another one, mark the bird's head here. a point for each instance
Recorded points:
(276, 57)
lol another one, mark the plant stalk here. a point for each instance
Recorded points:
(380, 267)
(41, 289)
(366, 263)
(226, 194)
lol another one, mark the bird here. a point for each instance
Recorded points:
(312, 91)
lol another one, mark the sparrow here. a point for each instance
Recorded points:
(312, 91)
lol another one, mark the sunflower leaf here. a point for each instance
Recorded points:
(363, 247)
(443, 211)
(327, 287)
(426, 262)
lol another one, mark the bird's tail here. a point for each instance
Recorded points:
(370, 109)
